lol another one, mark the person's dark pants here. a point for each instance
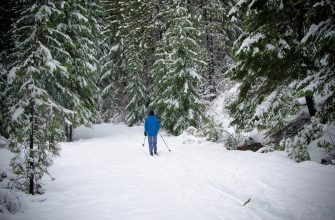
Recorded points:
(152, 144)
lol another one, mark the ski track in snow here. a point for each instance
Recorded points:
(107, 174)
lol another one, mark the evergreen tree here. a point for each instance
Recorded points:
(81, 49)
(271, 64)
(128, 52)
(176, 93)
(144, 32)
(9, 12)
(134, 62)
(36, 119)
(97, 13)
(218, 35)
(136, 108)
(319, 46)
(113, 80)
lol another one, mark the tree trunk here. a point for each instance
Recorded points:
(210, 48)
(310, 105)
(211, 67)
(31, 153)
(70, 133)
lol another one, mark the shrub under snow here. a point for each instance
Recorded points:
(312, 135)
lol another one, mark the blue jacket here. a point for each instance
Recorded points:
(151, 125)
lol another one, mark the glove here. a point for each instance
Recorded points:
(145, 133)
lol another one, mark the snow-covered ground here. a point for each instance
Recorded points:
(107, 174)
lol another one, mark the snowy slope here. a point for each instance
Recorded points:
(107, 174)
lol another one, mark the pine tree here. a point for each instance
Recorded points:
(271, 63)
(134, 62)
(81, 58)
(176, 93)
(36, 119)
(152, 32)
(97, 14)
(9, 12)
(218, 35)
(113, 79)
(136, 108)
(144, 32)
(318, 45)
(131, 41)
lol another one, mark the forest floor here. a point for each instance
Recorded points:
(106, 173)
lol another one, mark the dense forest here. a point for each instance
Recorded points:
(77, 62)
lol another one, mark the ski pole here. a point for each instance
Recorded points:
(164, 142)
(143, 141)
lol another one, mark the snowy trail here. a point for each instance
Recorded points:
(107, 174)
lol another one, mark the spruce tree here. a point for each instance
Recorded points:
(218, 35)
(271, 63)
(97, 14)
(136, 108)
(81, 48)
(176, 94)
(113, 80)
(319, 46)
(144, 32)
(134, 62)
(9, 13)
(36, 119)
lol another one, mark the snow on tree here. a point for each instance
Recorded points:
(318, 44)
(113, 80)
(97, 14)
(136, 108)
(128, 56)
(136, 89)
(134, 63)
(297, 147)
(176, 95)
(260, 52)
(218, 35)
(36, 119)
(283, 66)
(9, 13)
(272, 63)
(82, 50)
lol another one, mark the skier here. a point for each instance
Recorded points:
(151, 128)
